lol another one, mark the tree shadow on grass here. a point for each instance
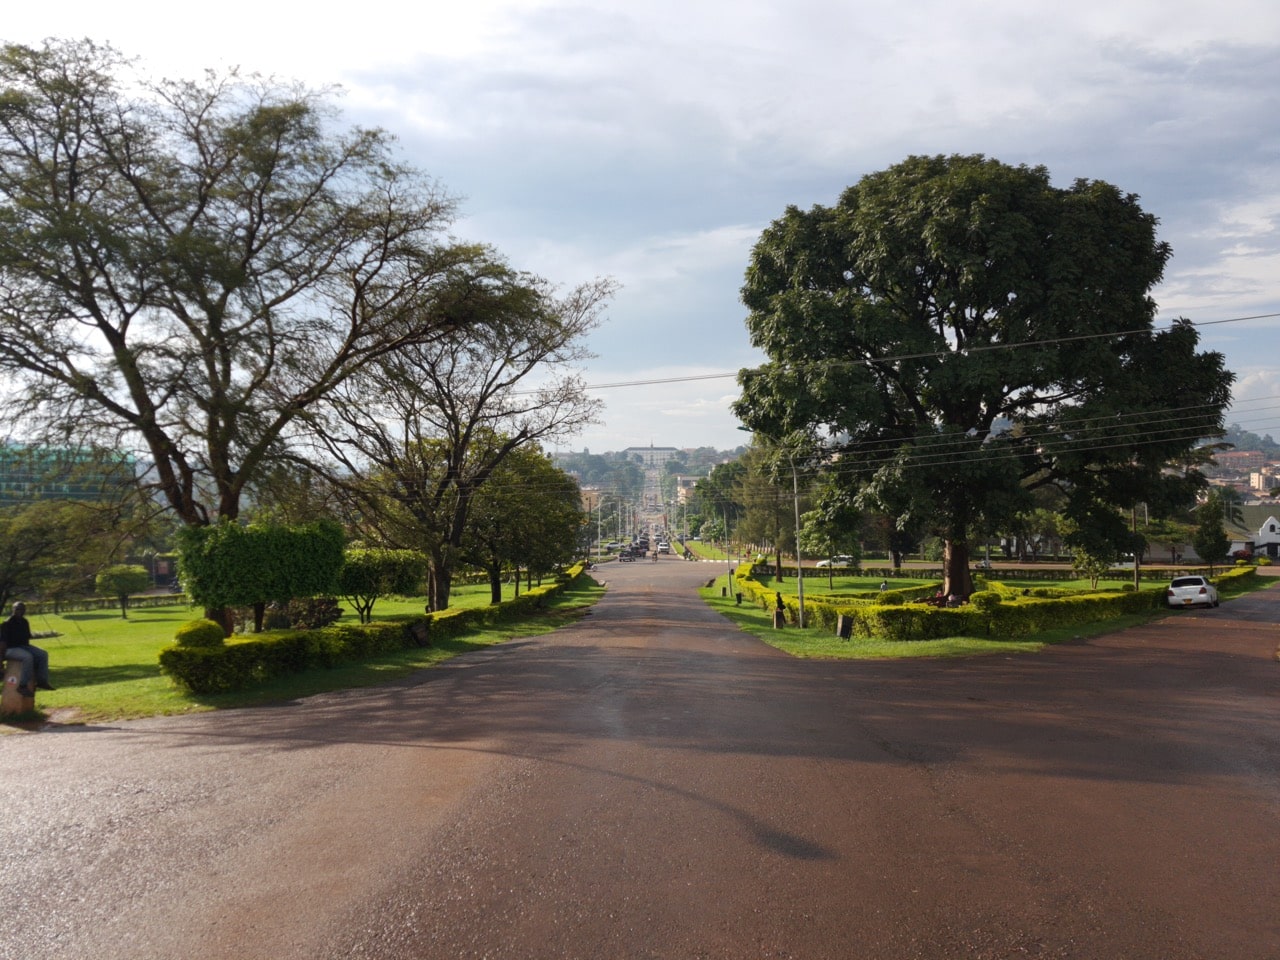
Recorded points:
(68, 677)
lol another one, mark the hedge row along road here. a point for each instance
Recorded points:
(650, 783)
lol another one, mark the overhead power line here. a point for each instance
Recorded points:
(693, 378)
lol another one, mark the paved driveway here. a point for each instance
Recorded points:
(651, 784)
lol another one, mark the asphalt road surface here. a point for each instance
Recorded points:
(651, 784)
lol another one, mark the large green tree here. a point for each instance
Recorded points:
(417, 434)
(188, 267)
(960, 331)
(528, 516)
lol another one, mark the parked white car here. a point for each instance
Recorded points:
(1191, 592)
(834, 562)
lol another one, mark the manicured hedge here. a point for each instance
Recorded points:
(243, 664)
(1017, 613)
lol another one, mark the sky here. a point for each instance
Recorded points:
(652, 143)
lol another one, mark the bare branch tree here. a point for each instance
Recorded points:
(416, 434)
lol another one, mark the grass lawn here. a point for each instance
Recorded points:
(817, 583)
(107, 668)
(705, 551)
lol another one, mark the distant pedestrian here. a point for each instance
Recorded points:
(777, 602)
(884, 585)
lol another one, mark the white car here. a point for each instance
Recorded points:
(1190, 592)
(834, 562)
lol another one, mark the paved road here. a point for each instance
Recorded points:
(650, 784)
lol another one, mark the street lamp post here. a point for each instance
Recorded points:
(728, 549)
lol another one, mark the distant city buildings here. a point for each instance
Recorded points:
(29, 473)
(1248, 472)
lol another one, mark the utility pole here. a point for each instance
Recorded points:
(795, 493)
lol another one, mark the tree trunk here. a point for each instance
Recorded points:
(956, 578)
(222, 617)
(495, 584)
(438, 581)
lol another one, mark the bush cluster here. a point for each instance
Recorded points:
(221, 668)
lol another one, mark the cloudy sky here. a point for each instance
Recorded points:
(653, 142)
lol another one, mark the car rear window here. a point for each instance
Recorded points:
(1188, 582)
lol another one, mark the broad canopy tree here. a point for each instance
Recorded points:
(191, 266)
(417, 434)
(958, 332)
(528, 516)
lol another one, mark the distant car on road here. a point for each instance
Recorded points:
(1191, 592)
(626, 556)
(840, 561)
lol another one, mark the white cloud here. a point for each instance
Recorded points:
(653, 142)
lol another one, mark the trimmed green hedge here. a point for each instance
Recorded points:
(1016, 614)
(247, 663)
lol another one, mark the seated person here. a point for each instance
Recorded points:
(15, 644)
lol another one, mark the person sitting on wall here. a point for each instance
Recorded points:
(15, 644)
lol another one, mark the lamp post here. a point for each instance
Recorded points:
(728, 547)
(599, 518)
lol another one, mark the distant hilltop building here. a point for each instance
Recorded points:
(651, 456)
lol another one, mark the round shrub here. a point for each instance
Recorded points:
(200, 633)
(1264, 561)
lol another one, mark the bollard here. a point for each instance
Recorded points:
(11, 701)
